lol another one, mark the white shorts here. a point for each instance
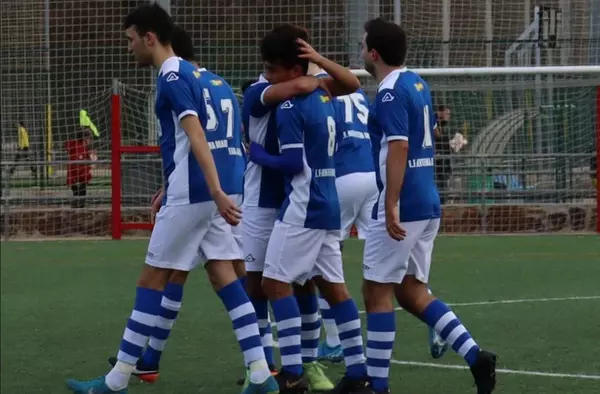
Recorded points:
(187, 235)
(357, 194)
(388, 261)
(256, 231)
(237, 230)
(296, 254)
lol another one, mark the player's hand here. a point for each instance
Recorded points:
(392, 223)
(227, 208)
(156, 203)
(308, 52)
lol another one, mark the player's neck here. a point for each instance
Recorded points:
(161, 55)
(385, 70)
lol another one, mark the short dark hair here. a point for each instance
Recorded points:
(388, 39)
(247, 84)
(443, 107)
(151, 18)
(280, 47)
(182, 44)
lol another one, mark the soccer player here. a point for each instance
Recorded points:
(357, 192)
(304, 242)
(194, 224)
(147, 367)
(264, 195)
(406, 216)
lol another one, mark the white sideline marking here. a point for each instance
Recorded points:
(499, 302)
(500, 370)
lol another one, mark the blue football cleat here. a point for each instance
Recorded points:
(269, 386)
(96, 386)
(333, 354)
(437, 346)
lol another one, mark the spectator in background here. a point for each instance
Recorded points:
(443, 168)
(79, 175)
(22, 150)
(594, 168)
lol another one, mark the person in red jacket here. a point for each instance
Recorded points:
(79, 175)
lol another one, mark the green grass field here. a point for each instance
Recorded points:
(533, 300)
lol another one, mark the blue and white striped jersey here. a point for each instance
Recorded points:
(308, 123)
(403, 110)
(184, 90)
(263, 186)
(353, 152)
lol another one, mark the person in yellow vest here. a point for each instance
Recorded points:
(22, 149)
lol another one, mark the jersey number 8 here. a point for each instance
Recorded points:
(331, 141)
(212, 123)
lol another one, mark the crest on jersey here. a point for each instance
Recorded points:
(387, 98)
(325, 99)
(419, 86)
(216, 82)
(196, 74)
(287, 105)
(172, 77)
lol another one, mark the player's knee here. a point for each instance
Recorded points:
(178, 277)
(276, 290)
(153, 278)
(220, 273)
(239, 267)
(378, 297)
(413, 295)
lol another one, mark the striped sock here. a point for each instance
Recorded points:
(439, 317)
(288, 320)
(244, 321)
(348, 322)
(264, 327)
(331, 329)
(169, 308)
(381, 330)
(311, 326)
(138, 329)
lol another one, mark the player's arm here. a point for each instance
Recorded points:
(289, 128)
(340, 82)
(393, 118)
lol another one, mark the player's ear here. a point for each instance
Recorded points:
(149, 39)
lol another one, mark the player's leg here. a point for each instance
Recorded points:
(331, 349)
(329, 276)
(414, 295)
(291, 255)
(220, 249)
(306, 297)
(173, 245)
(385, 263)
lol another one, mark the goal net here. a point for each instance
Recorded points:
(530, 136)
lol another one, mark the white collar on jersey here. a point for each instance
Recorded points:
(392, 75)
(171, 64)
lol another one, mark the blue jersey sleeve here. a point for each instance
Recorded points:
(178, 92)
(253, 100)
(392, 113)
(290, 126)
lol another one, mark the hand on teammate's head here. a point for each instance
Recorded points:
(308, 52)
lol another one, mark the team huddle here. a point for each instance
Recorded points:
(307, 158)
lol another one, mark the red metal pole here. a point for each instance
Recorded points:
(116, 162)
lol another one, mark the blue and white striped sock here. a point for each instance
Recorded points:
(311, 326)
(170, 305)
(244, 321)
(264, 328)
(381, 331)
(138, 329)
(331, 331)
(287, 316)
(439, 317)
(348, 323)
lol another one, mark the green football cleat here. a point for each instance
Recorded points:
(96, 386)
(317, 380)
